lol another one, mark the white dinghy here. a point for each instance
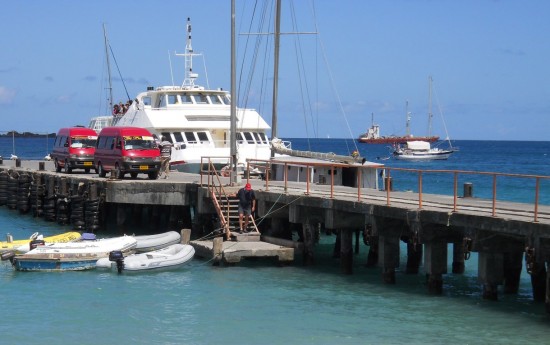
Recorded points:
(168, 258)
(147, 243)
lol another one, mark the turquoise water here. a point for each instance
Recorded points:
(257, 302)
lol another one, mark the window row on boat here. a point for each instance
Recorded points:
(204, 137)
(164, 100)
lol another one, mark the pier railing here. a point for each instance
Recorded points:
(417, 185)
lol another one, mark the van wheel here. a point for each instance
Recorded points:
(119, 174)
(68, 169)
(133, 175)
(153, 175)
(101, 171)
(57, 167)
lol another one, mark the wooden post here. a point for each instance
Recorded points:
(414, 257)
(547, 299)
(388, 256)
(217, 250)
(185, 236)
(513, 263)
(309, 241)
(491, 273)
(458, 257)
(468, 190)
(346, 251)
(435, 263)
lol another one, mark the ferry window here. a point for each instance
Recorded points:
(214, 99)
(257, 137)
(172, 99)
(226, 99)
(264, 138)
(202, 137)
(178, 137)
(186, 99)
(166, 136)
(190, 137)
(146, 100)
(200, 99)
(162, 101)
(248, 137)
(240, 138)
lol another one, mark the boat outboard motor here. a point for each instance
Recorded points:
(9, 255)
(116, 256)
(35, 243)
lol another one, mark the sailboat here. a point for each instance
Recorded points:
(13, 155)
(416, 150)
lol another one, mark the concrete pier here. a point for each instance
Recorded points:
(293, 219)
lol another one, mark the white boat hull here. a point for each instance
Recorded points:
(168, 258)
(71, 256)
(423, 156)
(147, 243)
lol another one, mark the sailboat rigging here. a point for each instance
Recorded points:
(416, 150)
(278, 147)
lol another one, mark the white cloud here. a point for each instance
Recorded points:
(6, 95)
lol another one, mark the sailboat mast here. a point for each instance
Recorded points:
(108, 68)
(233, 114)
(408, 126)
(430, 114)
(276, 70)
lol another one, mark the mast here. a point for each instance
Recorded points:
(190, 77)
(430, 114)
(276, 70)
(233, 115)
(108, 68)
(408, 114)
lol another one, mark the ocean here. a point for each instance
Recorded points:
(257, 302)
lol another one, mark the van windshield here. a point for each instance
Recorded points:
(138, 143)
(83, 142)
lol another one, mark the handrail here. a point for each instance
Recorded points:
(420, 180)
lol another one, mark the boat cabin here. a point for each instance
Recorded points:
(321, 172)
(168, 96)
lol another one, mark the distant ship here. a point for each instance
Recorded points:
(372, 136)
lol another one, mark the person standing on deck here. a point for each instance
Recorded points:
(165, 148)
(247, 205)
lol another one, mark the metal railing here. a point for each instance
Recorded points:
(387, 177)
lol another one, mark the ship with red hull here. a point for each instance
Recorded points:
(372, 136)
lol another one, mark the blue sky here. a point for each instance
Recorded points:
(488, 60)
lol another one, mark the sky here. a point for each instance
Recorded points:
(489, 61)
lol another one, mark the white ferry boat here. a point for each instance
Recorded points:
(196, 120)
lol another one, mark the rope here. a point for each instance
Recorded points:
(280, 208)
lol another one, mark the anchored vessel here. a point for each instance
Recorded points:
(197, 121)
(420, 151)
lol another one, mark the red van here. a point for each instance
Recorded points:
(126, 150)
(74, 148)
